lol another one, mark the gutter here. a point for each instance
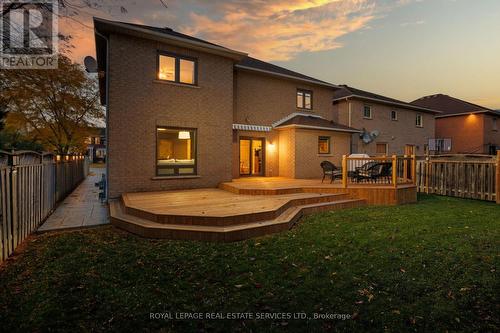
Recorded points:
(319, 128)
(404, 105)
(107, 109)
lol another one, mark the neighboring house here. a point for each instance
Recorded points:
(463, 127)
(389, 126)
(186, 113)
(96, 145)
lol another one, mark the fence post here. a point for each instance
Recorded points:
(414, 169)
(427, 172)
(344, 171)
(14, 209)
(394, 171)
(498, 178)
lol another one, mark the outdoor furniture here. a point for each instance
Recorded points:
(374, 171)
(329, 169)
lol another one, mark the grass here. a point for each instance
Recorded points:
(431, 266)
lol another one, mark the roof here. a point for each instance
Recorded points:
(313, 122)
(451, 106)
(350, 92)
(250, 63)
(166, 34)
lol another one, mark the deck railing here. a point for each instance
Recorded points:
(378, 171)
(30, 186)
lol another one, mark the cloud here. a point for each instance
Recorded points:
(279, 30)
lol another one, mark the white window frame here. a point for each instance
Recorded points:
(371, 112)
(396, 115)
(417, 123)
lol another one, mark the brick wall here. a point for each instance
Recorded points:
(396, 134)
(137, 104)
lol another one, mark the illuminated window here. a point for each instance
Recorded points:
(175, 151)
(324, 145)
(381, 148)
(394, 115)
(367, 112)
(419, 122)
(177, 69)
(304, 99)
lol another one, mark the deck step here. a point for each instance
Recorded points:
(231, 212)
(284, 221)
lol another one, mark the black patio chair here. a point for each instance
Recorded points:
(375, 172)
(329, 169)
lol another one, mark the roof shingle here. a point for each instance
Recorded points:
(450, 105)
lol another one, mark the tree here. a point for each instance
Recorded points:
(54, 107)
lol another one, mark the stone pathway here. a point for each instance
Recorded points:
(81, 208)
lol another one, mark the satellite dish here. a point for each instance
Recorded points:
(368, 137)
(90, 64)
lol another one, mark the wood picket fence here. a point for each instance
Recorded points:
(463, 177)
(31, 184)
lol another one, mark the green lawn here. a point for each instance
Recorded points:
(431, 266)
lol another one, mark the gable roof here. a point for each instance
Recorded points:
(300, 120)
(164, 35)
(254, 64)
(349, 92)
(451, 106)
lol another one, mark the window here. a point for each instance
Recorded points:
(495, 128)
(419, 121)
(175, 151)
(177, 69)
(394, 115)
(304, 99)
(367, 112)
(324, 145)
(381, 149)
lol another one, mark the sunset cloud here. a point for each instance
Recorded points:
(279, 30)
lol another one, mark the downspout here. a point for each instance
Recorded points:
(107, 109)
(350, 112)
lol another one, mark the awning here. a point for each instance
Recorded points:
(255, 128)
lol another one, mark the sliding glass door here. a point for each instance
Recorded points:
(251, 156)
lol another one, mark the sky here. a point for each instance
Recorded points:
(403, 49)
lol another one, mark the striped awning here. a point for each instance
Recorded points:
(255, 128)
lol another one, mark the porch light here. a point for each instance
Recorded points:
(271, 147)
(184, 135)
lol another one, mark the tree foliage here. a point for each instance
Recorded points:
(53, 107)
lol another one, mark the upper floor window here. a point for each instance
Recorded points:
(304, 99)
(367, 112)
(419, 121)
(394, 115)
(177, 69)
(495, 128)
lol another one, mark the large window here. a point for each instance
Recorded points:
(177, 69)
(175, 151)
(324, 145)
(304, 99)
(419, 121)
(367, 112)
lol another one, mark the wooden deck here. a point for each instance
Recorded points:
(243, 208)
(374, 194)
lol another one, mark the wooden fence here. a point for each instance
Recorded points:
(30, 186)
(473, 178)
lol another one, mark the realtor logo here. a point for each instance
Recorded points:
(29, 31)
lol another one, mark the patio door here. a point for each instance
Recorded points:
(252, 156)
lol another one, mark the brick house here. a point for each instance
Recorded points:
(186, 113)
(463, 127)
(389, 126)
